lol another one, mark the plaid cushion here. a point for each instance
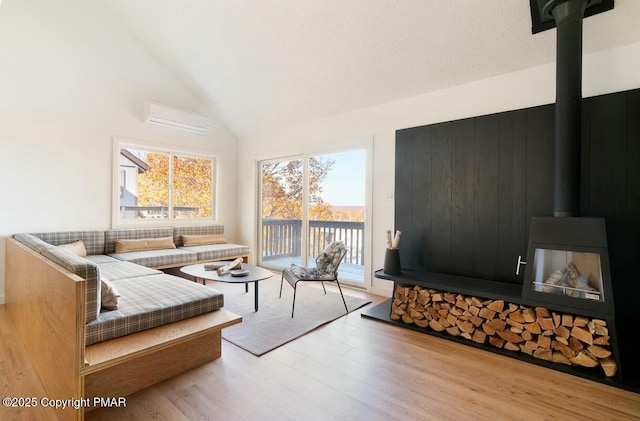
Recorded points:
(217, 251)
(85, 269)
(151, 301)
(93, 240)
(33, 242)
(101, 258)
(178, 232)
(155, 258)
(111, 236)
(123, 270)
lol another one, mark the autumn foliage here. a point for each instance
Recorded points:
(192, 184)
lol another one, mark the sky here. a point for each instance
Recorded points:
(345, 183)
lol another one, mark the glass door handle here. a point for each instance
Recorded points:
(520, 263)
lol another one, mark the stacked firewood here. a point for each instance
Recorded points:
(558, 337)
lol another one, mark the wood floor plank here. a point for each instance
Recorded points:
(358, 368)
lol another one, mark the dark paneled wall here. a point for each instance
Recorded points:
(466, 190)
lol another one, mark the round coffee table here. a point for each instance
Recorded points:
(255, 275)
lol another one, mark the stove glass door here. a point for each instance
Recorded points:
(565, 272)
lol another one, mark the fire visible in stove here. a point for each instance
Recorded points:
(568, 265)
(564, 272)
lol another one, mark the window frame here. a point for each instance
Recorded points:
(118, 222)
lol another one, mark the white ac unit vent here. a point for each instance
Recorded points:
(178, 119)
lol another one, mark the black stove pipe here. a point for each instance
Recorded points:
(568, 15)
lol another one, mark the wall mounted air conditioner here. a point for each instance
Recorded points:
(178, 119)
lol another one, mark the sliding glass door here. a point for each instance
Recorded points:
(308, 202)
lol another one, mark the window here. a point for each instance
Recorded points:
(159, 184)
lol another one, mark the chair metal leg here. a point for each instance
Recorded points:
(281, 281)
(293, 307)
(343, 301)
(325, 290)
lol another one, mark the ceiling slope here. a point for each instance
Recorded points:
(266, 65)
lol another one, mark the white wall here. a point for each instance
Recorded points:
(71, 78)
(604, 72)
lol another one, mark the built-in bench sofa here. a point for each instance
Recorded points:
(162, 325)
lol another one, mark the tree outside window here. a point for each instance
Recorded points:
(165, 185)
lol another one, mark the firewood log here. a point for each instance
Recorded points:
(452, 319)
(542, 312)
(496, 341)
(601, 330)
(529, 315)
(556, 319)
(487, 313)
(564, 349)
(496, 306)
(488, 329)
(415, 314)
(510, 336)
(584, 360)
(475, 301)
(599, 322)
(526, 335)
(433, 324)
(474, 310)
(515, 324)
(598, 351)
(511, 346)
(580, 321)
(453, 331)
(532, 345)
(497, 324)
(533, 328)
(444, 322)
(557, 357)
(516, 316)
(601, 340)
(609, 366)
(543, 354)
(407, 319)
(479, 336)
(546, 323)
(466, 335)
(544, 342)
(421, 322)
(450, 298)
(465, 326)
(582, 334)
(575, 344)
(526, 350)
(563, 332)
(462, 304)
(456, 311)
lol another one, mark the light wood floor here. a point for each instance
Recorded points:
(351, 369)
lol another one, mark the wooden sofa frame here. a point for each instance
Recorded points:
(47, 305)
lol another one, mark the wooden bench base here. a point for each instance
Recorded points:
(122, 366)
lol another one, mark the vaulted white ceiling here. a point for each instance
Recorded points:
(262, 65)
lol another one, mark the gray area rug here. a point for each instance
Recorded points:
(272, 326)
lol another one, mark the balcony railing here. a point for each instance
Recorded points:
(282, 238)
